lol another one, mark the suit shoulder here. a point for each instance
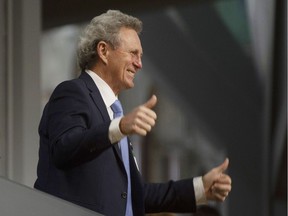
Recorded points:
(69, 86)
(72, 82)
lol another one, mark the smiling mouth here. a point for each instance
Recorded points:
(132, 73)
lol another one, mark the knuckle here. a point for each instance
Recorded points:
(144, 133)
(134, 128)
(149, 128)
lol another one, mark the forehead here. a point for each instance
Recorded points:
(129, 39)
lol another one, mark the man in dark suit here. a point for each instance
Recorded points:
(85, 156)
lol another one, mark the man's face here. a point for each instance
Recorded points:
(125, 60)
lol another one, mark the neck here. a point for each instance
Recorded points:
(105, 76)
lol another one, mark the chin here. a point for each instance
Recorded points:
(129, 84)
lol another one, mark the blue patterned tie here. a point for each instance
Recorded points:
(118, 112)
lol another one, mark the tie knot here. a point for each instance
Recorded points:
(117, 109)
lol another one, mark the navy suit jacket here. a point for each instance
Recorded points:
(78, 163)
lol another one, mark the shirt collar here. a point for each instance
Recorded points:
(106, 92)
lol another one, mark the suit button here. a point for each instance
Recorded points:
(124, 195)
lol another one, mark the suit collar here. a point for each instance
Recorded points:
(105, 90)
(89, 82)
(95, 95)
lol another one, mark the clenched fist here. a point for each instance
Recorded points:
(140, 120)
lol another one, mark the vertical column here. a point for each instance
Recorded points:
(2, 91)
(261, 19)
(23, 90)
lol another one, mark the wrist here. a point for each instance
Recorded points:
(121, 126)
(115, 133)
(200, 195)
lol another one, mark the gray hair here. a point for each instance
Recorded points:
(104, 27)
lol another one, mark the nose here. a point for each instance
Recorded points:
(138, 62)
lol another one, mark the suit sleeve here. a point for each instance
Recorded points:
(75, 135)
(173, 196)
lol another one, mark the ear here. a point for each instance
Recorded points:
(102, 50)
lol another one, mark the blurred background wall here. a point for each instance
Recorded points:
(219, 71)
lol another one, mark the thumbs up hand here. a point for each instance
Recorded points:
(217, 185)
(140, 120)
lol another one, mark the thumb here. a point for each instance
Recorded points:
(221, 168)
(151, 102)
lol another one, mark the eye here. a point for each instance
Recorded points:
(135, 54)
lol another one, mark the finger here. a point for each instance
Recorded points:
(148, 116)
(138, 130)
(221, 168)
(145, 125)
(220, 193)
(148, 121)
(224, 179)
(148, 112)
(151, 102)
(142, 125)
(219, 197)
(221, 188)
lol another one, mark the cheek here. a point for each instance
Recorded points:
(124, 69)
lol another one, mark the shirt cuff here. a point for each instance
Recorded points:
(115, 134)
(199, 191)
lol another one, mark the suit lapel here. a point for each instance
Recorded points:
(99, 103)
(95, 95)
